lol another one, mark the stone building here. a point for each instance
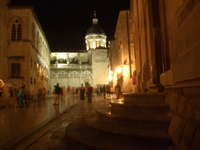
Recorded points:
(25, 53)
(121, 53)
(166, 39)
(83, 66)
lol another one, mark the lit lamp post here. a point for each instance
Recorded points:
(119, 75)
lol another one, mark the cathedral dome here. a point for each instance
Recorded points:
(95, 36)
(95, 29)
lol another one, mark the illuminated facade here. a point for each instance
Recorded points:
(76, 68)
(121, 54)
(25, 53)
(95, 37)
(85, 67)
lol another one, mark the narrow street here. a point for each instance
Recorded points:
(17, 123)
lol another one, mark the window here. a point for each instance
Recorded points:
(13, 32)
(31, 62)
(97, 44)
(19, 32)
(16, 30)
(15, 70)
(91, 45)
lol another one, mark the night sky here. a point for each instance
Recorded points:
(66, 22)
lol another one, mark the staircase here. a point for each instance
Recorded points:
(139, 122)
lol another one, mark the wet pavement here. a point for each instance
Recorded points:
(16, 123)
(79, 110)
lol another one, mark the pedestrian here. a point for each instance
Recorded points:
(1, 91)
(108, 91)
(90, 91)
(82, 92)
(43, 92)
(24, 96)
(101, 90)
(1, 88)
(16, 91)
(57, 94)
(118, 90)
(20, 95)
(64, 91)
(104, 91)
(68, 91)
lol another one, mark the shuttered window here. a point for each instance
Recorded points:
(15, 70)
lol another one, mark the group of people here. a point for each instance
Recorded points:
(88, 91)
(21, 96)
(82, 90)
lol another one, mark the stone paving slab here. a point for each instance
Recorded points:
(53, 138)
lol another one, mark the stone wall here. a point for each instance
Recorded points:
(184, 128)
(100, 71)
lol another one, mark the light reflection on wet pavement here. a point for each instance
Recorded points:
(17, 121)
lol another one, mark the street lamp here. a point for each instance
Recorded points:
(119, 69)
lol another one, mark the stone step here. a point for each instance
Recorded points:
(145, 97)
(148, 122)
(139, 109)
(139, 129)
(90, 133)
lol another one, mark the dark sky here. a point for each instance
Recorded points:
(66, 22)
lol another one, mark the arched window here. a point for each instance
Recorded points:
(91, 45)
(19, 32)
(16, 33)
(13, 32)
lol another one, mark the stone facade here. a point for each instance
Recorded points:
(166, 39)
(85, 67)
(121, 53)
(74, 69)
(100, 70)
(25, 50)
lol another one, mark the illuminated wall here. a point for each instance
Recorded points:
(121, 53)
(27, 51)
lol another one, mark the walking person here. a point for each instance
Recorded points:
(24, 96)
(90, 91)
(68, 91)
(43, 93)
(57, 94)
(82, 92)
(108, 91)
(64, 91)
(16, 91)
(20, 95)
(104, 91)
(118, 90)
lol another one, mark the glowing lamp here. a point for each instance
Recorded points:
(119, 70)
